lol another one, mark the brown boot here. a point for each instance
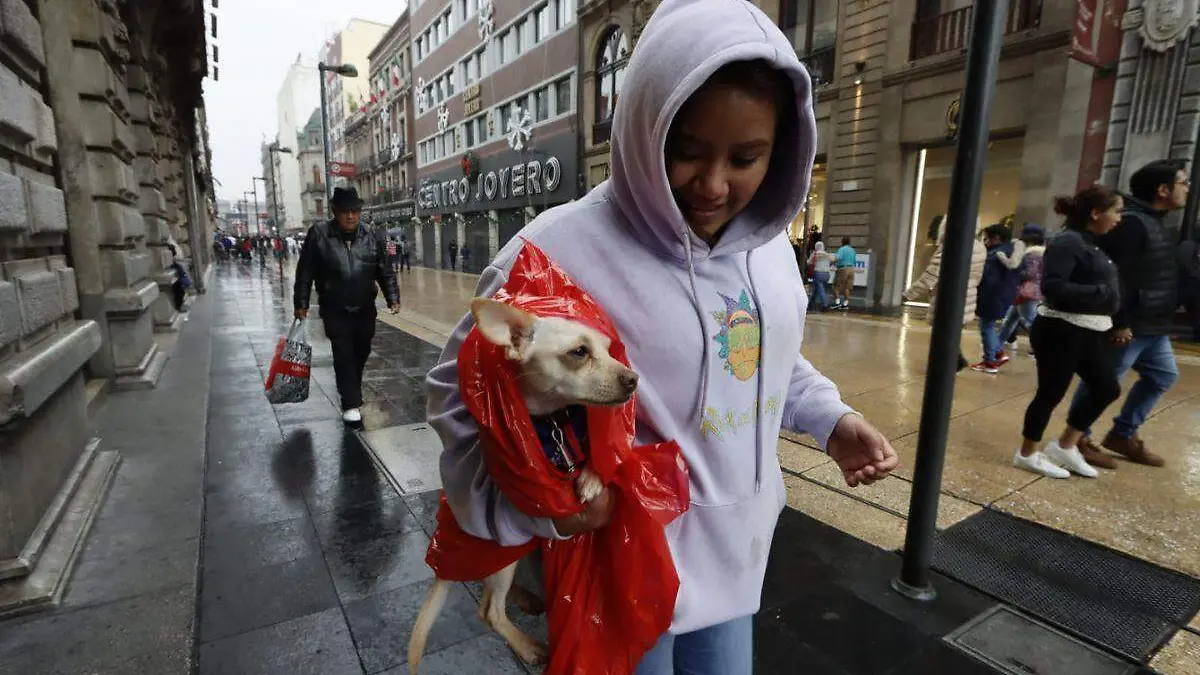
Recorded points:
(1132, 449)
(1092, 454)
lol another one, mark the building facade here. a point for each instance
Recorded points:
(494, 121)
(390, 174)
(311, 157)
(105, 167)
(345, 95)
(299, 94)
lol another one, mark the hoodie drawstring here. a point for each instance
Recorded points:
(762, 349)
(687, 245)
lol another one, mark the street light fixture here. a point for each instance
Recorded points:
(344, 70)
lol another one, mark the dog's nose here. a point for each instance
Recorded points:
(629, 381)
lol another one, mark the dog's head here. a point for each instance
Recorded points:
(563, 362)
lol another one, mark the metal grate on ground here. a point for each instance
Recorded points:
(1127, 605)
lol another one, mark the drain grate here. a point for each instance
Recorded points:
(408, 455)
(1020, 645)
(1127, 605)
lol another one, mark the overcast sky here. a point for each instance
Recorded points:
(258, 40)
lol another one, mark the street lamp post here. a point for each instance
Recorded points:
(345, 70)
(275, 149)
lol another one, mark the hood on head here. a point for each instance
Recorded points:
(819, 247)
(683, 44)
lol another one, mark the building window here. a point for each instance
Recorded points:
(811, 27)
(564, 13)
(320, 207)
(541, 104)
(564, 99)
(611, 61)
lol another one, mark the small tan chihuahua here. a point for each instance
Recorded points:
(563, 363)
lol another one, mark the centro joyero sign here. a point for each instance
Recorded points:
(531, 178)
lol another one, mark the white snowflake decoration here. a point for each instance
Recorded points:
(519, 128)
(422, 94)
(396, 147)
(487, 19)
(443, 118)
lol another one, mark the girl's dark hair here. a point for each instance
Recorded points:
(1077, 210)
(759, 79)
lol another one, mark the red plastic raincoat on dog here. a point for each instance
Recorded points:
(610, 593)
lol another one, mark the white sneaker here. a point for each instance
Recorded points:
(352, 416)
(1069, 459)
(1037, 463)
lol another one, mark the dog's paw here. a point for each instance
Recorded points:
(588, 486)
(532, 652)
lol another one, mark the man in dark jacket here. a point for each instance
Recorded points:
(1145, 256)
(346, 260)
(996, 292)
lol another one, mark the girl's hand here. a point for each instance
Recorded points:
(863, 454)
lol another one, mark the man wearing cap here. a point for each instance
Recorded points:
(347, 261)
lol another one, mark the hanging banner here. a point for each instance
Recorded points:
(1083, 33)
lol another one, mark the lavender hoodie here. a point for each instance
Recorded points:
(715, 332)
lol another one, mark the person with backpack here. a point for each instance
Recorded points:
(1027, 260)
(996, 293)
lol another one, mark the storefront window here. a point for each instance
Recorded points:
(997, 198)
(811, 25)
(813, 215)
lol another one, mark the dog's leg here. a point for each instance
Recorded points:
(425, 618)
(529, 650)
(588, 485)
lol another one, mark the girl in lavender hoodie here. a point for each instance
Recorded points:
(686, 248)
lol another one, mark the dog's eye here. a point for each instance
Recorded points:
(580, 352)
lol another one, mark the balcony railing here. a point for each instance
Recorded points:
(820, 65)
(318, 186)
(392, 195)
(951, 32)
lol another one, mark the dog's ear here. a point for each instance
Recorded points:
(502, 324)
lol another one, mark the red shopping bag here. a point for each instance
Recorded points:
(610, 593)
(287, 378)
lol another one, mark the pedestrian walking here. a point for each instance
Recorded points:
(1074, 334)
(1027, 261)
(393, 255)
(843, 284)
(821, 264)
(1144, 252)
(713, 141)
(347, 261)
(926, 285)
(996, 292)
(466, 256)
(405, 254)
(452, 249)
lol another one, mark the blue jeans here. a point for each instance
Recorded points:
(820, 294)
(989, 331)
(1023, 314)
(1154, 361)
(724, 649)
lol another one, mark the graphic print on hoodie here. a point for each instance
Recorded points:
(691, 316)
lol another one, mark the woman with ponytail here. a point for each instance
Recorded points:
(1074, 332)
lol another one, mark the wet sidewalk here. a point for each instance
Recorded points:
(241, 537)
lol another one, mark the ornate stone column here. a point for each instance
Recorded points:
(493, 220)
(1156, 107)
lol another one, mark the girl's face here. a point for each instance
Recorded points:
(1104, 221)
(718, 152)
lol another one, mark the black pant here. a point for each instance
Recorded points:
(1063, 351)
(406, 261)
(350, 335)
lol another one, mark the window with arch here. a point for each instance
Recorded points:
(611, 60)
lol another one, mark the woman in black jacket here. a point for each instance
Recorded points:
(1074, 332)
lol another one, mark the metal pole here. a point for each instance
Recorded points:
(257, 218)
(982, 64)
(325, 134)
(275, 199)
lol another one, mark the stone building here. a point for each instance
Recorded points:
(103, 166)
(298, 95)
(391, 174)
(495, 127)
(311, 159)
(608, 31)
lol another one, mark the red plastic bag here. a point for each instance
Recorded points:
(610, 593)
(287, 378)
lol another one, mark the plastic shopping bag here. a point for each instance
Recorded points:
(287, 380)
(610, 593)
